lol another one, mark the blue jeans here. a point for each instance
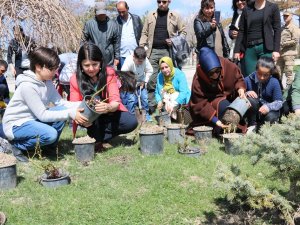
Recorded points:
(121, 62)
(130, 100)
(26, 136)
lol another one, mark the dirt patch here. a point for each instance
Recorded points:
(202, 128)
(176, 126)
(122, 159)
(2, 218)
(193, 180)
(231, 117)
(7, 160)
(151, 129)
(83, 140)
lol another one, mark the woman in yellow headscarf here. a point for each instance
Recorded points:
(171, 88)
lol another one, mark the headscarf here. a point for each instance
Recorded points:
(168, 85)
(208, 59)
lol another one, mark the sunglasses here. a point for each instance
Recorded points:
(2, 71)
(240, 0)
(163, 2)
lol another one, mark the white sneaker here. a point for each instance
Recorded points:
(251, 129)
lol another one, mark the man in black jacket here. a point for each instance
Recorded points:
(130, 27)
(103, 32)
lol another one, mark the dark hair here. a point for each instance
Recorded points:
(3, 63)
(89, 51)
(204, 4)
(126, 5)
(268, 62)
(140, 53)
(45, 57)
(20, 29)
(235, 8)
(128, 81)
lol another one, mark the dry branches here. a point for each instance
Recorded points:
(46, 22)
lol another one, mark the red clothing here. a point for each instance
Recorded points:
(112, 89)
(206, 95)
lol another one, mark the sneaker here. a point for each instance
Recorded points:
(19, 155)
(251, 129)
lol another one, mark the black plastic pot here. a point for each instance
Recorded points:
(203, 132)
(176, 133)
(190, 152)
(163, 119)
(85, 152)
(228, 140)
(88, 112)
(152, 142)
(8, 177)
(53, 183)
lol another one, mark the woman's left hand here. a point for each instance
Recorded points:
(103, 107)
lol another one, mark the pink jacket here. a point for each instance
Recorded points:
(113, 85)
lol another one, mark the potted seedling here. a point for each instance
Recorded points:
(8, 171)
(186, 149)
(89, 102)
(54, 177)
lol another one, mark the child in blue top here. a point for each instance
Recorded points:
(4, 91)
(264, 93)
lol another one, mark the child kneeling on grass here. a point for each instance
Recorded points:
(264, 93)
(37, 113)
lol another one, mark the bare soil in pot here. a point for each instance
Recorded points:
(151, 129)
(7, 160)
(83, 140)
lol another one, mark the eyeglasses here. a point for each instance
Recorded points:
(163, 2)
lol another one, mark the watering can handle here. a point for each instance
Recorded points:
(139, 97)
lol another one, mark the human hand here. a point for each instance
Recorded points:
(116, 62)
(79, 118)
(141, 84)
(237, 56)
(241, 93)
(275, 56)
(159, 105)
(220, 124)
(103, 107)
(169, 42)
(251, 94)
(234, 34)
(213, 23)
(264, 110)
(13, 69)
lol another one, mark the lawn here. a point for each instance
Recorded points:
(122, 186)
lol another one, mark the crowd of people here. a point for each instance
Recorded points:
(130, 63)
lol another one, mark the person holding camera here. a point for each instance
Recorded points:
(209, 31)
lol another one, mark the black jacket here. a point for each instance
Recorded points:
(14, 48)
(271, 28)
(206, 36)
(137, 26)
(106, 36)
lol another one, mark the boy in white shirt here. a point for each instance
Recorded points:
(139, 64)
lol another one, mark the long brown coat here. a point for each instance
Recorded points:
(206, 95)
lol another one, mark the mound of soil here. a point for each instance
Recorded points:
(176, 126)
(83, 140)
(7, 160)
(202, 128)
(151, 129)
(231, 117)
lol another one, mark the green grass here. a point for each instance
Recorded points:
(122, 186)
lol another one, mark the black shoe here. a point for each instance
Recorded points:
(19, 155)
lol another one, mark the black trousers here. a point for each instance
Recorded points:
(113, 124)
(254, 116)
